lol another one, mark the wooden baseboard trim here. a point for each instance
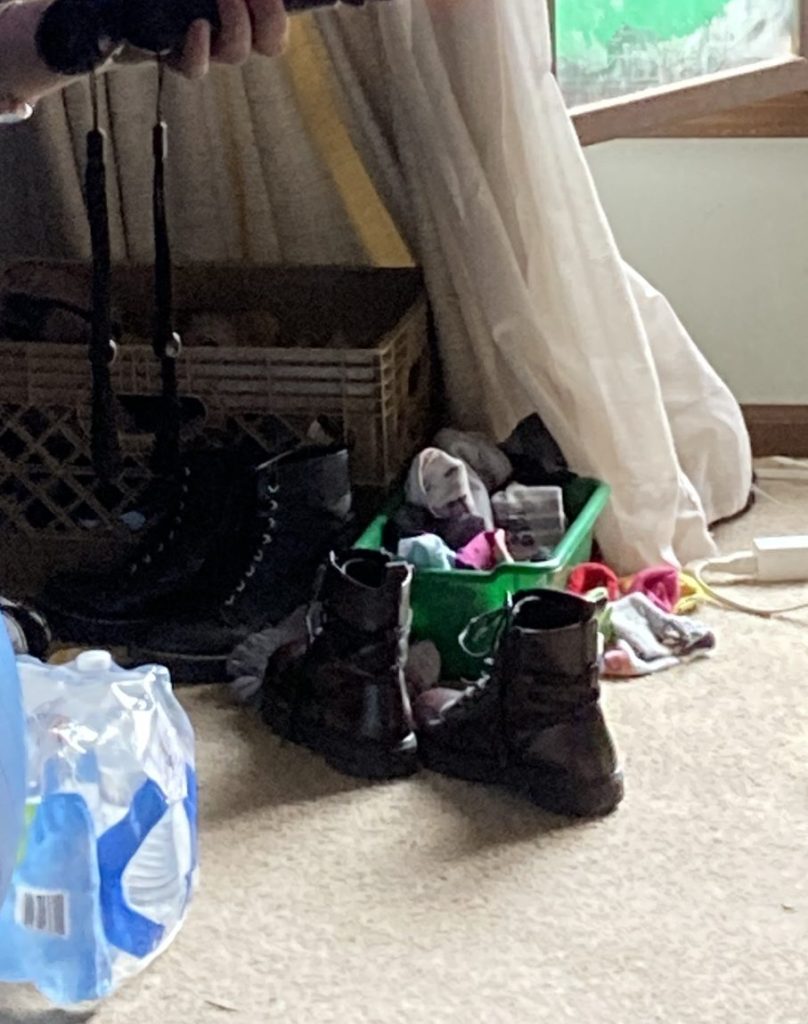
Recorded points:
(778, 429)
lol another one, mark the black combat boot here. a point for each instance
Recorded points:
(343, 694)
(296, 508)
(535, 724)
(167, 569)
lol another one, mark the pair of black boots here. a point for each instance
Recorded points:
(238, 551)
(534, 724)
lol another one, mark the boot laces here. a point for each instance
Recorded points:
(482, 636)
(267, 537)
(174, 524)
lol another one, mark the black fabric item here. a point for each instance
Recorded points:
(535, 455)
(413, 520)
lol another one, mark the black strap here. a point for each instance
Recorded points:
(166, 341)
(105, 448)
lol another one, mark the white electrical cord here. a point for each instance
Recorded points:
(744, 564)
(772, 560)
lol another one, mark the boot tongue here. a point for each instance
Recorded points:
(311, 475)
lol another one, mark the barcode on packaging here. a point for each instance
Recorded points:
(44, 912)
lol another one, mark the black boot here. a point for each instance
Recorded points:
(535, 725)
(166, 571)
(343, 695)
(297, 507)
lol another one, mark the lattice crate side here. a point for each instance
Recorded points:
(38, 374)
(47, 483)
(406, 392)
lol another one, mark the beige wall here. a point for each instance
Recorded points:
(721, 227)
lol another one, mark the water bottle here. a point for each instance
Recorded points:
(12, 762)
(108, 864)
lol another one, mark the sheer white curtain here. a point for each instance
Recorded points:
(454, 108)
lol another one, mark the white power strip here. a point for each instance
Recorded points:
(781, 559)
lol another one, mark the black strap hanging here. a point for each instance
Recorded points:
(105, 448)
(166, 341)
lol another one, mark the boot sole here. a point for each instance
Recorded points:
(357, 758)
(185, 669)
(71, 627)
(551, 790)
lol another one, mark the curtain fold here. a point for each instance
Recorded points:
(433, 127)
(536, 308)
(251, 175)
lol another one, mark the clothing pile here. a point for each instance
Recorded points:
(643, 619)
(473, 505)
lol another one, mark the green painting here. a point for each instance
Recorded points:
(604, 19)
(609, 48)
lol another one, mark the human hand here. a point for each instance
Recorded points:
(247, 26)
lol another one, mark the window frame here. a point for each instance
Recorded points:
(696, 100)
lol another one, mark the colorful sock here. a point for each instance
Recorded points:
(485, 552)
(644, 639)
(691, 595)
(447, 487)
(490, 463)
(593, 576)
(426, 552)
(660, 583)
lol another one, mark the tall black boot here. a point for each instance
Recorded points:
(295, 509)
(535, 724)
(343, 695)
(166, 569)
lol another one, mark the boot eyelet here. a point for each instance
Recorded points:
(266, 538)
(273, 506)
(272, 488)
(272, 524)
(250, 572)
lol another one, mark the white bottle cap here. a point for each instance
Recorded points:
(94, 661)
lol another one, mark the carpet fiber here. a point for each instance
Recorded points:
(329, 902)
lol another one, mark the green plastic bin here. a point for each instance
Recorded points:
(443, 603)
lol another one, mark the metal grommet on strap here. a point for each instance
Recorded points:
(173, 346)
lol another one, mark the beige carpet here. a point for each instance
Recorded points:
(435, 901)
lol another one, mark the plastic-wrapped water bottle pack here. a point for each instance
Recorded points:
(108, 861)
